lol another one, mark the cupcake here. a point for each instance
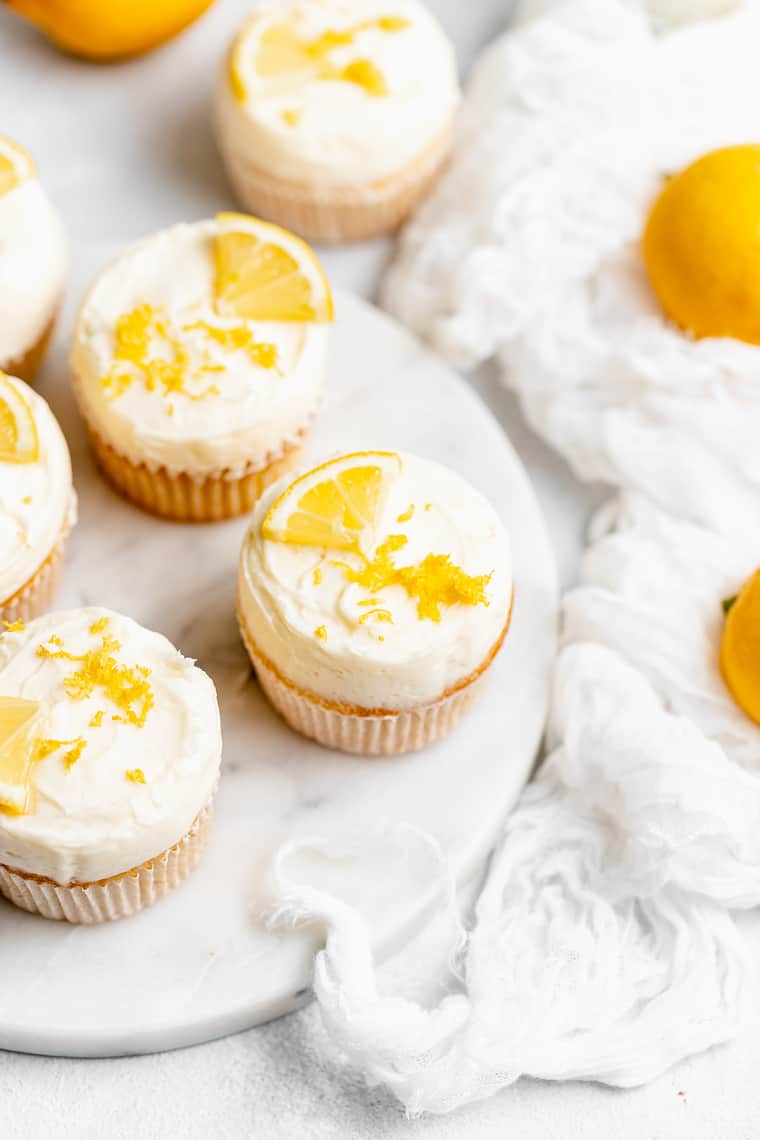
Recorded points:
(334, 117)
(37, 502)
(198, 362)
(110, 748)
(32, 263)
(374, 591)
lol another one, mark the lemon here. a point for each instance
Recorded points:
(16, 166)
(109, 29)
(18, 718)
(740, 648)
(335, 504)
(18, 431)
(264, 273)
(702, 245)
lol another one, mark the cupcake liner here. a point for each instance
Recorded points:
(185, 497)
(365, 734)
(331, 215)
(117, 897)
(36, 596)
(25, 366)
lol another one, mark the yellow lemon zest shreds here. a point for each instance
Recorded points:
(147, 348)
(27, 499)
(43, 748)
(407, 515)
(99, 626)
(317, 576)
(378, 615)
(125, 686)
(291, 116)
(432, 583)
(321, 633)
(135, 775)
(96, 720)
(14, 626)
(239, 338)
(370, 602)
(281, 50)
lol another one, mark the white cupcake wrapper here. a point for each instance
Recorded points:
(37, 595)
(392, 734)
(118, 897)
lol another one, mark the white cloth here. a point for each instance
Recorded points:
(602, 945)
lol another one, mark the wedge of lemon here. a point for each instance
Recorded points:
(16, 166)
(18, 431)
(18, 719)
(335, 504)
(264, 273)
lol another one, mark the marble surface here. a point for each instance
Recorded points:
(204, 963)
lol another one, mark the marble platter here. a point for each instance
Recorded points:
(203, 963)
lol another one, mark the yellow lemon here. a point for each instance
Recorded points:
(740, 648)
(702, 245)
(18, 718)
(334, 504)
(16, 166)
(109, 29)
(264, 273)
(18, 431)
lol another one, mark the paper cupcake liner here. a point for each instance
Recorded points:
(36, 596)
(365, 734)
(117, 897)
(25, 366)
(185, 497)
(331, 215)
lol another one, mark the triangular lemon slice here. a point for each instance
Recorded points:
(18, 719)
(335, 504)
(18, 431)
(16, 166)
(264, 273)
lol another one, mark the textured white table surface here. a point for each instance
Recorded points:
(280, 1082)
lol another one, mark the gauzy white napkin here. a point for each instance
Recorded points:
(602, 945)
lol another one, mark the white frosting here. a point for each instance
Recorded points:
(89, 821)
(339, 134)
(32, 268)
(379, 664)
(257, 410)
(37, 502)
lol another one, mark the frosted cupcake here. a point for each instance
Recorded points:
(374, 592)
(334, 117)
(32, 263)
(198, 361)
(37, 502)
(110, 748)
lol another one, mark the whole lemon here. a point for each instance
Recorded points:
(109, 29)
(740, 648)
(702, 245)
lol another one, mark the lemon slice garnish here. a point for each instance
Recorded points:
(16, 166)
(335, 504)
(264, 273)
(18, 719)
(18, 431)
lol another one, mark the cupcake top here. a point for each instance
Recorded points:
(110, 745)
(339, 92)
(378, 579)
(204, 346)
(37, 502)
(32, 254)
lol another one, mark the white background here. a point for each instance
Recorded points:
(125, 150)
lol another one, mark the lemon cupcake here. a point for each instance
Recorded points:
(37, 502)
(32, 263)
(198, 361)
(334, 117)
(110, 748)
(374, 592)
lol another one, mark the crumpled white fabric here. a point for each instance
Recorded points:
(602, 946)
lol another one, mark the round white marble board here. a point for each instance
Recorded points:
(202, 963)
